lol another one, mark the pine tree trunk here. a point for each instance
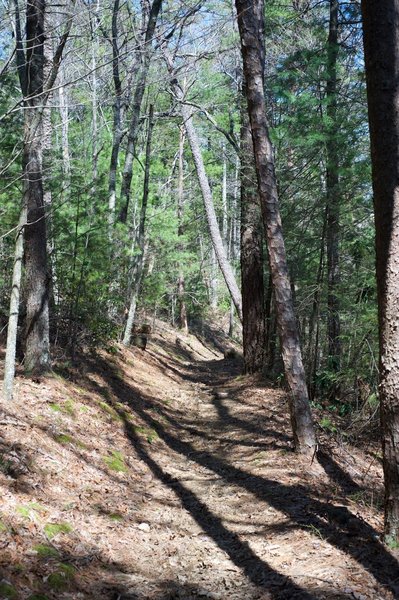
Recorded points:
(251, 28)
(37, 351)
(252, 283)
(333, 201)
(381, 46)
(30, 68)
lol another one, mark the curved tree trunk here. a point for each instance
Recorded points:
(251, 29)
(207, 197)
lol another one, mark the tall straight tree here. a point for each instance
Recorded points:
(333, 198)
(252, 280)
(183, 323)
(35, 93)
(251, 28)
(381, 48)
(37, 351)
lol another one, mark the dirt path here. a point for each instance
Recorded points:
(233, 514)
(210, 502)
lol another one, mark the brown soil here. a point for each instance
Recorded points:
(166, 474)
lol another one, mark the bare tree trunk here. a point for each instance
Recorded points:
(250, 23)
(180, 232)
(224, 199)
(12, 331)
(381, 46)
(118, 118)
(138, 260)
(333, 200)
(94, 105)
(47, 133)
(136, 107)
(214, 231)
(30, 67)
(64, 113)
(213, 226)
(252, 281)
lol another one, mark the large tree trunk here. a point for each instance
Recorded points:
(381, 46)
(252, 281)
(333, 200)
(136, 107)
(30, 68)
(37, 351)
(250, 23)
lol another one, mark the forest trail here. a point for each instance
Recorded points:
(166, 474)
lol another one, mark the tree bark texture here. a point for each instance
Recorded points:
(37, 350)
(250, 24)
(252, 281)
(381, 47)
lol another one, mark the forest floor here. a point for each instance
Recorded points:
(166, 474)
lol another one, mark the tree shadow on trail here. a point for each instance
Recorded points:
(337, 473)
(336, 524)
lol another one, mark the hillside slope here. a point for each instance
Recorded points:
(166, 474)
